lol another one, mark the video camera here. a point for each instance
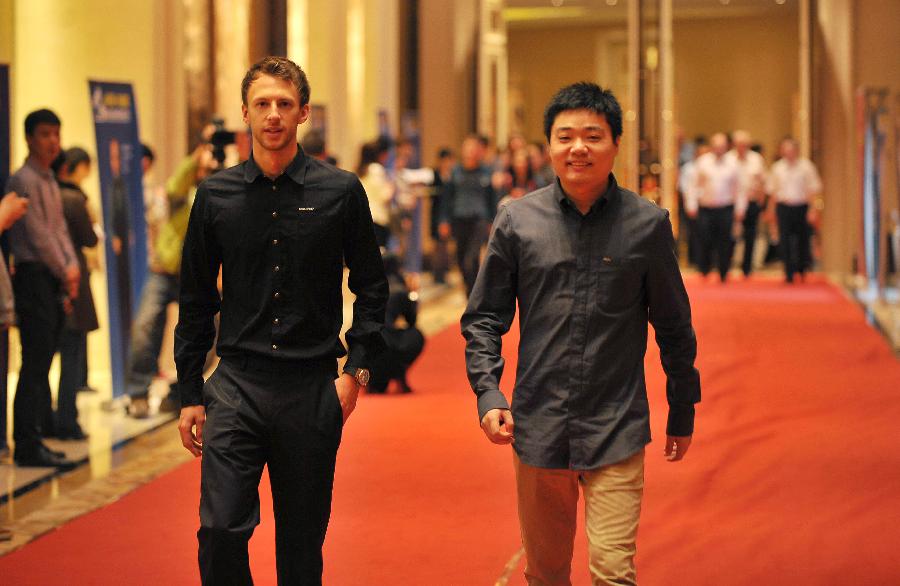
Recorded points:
(220, 139)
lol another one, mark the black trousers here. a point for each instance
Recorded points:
(794, 235)
(751, 222)
(40, 311)
(714, 227)
(470, 235)
(291, 420)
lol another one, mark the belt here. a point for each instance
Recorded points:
(263, 363)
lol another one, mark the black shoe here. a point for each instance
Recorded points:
(42, 459)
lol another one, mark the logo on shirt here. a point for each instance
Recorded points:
(306, 209)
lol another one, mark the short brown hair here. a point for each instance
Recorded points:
(280, 67)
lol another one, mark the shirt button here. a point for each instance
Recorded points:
(275, 242)
(274, 187)
(274, 346)
(277, 268)
(274, 214)
(277, 295)
(276, 321)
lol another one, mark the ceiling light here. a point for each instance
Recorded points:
(612, 2)
(557, 2)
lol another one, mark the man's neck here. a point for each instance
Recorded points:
(39, 163)
(584, 196)
(273, 163)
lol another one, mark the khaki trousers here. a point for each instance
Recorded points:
(548, 501)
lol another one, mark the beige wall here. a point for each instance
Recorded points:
(856, 44)
(446, 73)
(6, 31)
(739, 73)
(539, 64)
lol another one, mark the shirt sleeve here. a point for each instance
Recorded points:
(199, 301)
(489, 315)
(670, 315)
(49, 247)
(814, 182)
(367, 281)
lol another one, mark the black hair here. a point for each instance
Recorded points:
(147, 152)
(368, 154)
(42, 116)
(585, 95)
(69, 159)
(444, 153)
(76, 156)
(313, 143)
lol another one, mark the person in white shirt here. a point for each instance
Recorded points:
(753, 191)
(379, 188)
(687, 185)
(794, 184)
(718, 204)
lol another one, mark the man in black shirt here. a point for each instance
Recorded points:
(280, 226)
(588, 263)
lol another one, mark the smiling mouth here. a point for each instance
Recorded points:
(579, 164)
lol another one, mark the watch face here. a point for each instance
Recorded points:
(362, 376)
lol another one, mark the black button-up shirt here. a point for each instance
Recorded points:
(282, 245)
(586, 286)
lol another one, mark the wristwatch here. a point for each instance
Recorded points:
(362, 375)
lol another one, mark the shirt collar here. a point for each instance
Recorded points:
(45, 173)
(563, 199)
(296, 170)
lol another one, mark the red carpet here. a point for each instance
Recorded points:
(793, 478)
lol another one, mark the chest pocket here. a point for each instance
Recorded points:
(617, 285)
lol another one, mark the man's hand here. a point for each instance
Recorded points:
(73, 275)
(677, 447)
(190, 426)
(498, 426)
(347, 392)
(12, 207)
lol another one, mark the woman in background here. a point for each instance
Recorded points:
(73, 166)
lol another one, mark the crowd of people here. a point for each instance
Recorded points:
(726, 189)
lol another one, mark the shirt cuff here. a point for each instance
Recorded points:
(681, 420)
(190, 394)
(492, 399)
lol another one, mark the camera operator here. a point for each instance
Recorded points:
(162, 285)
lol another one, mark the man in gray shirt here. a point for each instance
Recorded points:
(588, 263)
(468, 205)
(46, 273)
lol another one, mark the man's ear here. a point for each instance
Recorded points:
(304, 113)
(245, 114)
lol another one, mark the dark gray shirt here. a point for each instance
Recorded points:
(586, 286)
(468, 195)
(41, 236)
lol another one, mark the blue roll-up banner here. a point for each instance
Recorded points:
(122, 199)
(4, 175)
